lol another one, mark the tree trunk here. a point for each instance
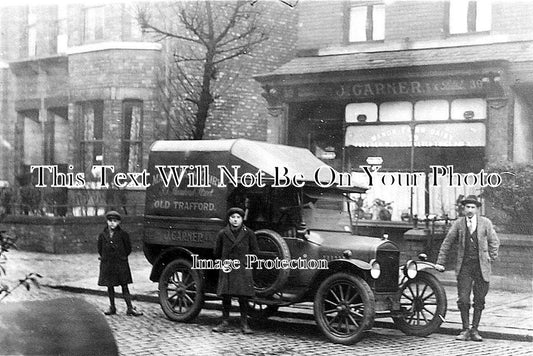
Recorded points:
(206, 99)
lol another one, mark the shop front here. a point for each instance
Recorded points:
(421, 136)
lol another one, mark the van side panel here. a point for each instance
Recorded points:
(192, 189)
(178, 232)
(178, 213)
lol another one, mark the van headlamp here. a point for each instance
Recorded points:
(410, 269)
(375, 270)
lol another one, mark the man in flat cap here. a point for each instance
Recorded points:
(477, 247)
(234, 242)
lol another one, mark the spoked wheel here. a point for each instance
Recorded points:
(261, 311)
(344, 308)
(181, 291)
(423, 302)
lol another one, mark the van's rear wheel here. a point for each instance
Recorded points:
(344, 308)
(271, 245)
(181, 293)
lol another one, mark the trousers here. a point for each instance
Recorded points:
(470, 279)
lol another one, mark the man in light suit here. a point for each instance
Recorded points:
(477, 248)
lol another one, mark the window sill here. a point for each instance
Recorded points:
(468, 34)
(365, 42)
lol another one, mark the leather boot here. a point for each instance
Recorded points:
(463, 336)
(111, 311)
(222, 327)
(245, 327)
(131, 309)
(243, 308)
(133, 312)
(465, 317)
(474, 333)
(111, 294)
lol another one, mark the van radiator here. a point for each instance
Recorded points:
(389, 262)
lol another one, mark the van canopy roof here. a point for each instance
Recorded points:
(263, 156)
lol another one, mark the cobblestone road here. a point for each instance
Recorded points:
(153, 334)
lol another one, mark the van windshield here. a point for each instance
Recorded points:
(326, 210)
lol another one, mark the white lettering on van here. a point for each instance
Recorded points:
(175, 173)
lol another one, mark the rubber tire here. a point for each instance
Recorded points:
(195, 293)
(368, 305)
(441, 304)
(282, 276)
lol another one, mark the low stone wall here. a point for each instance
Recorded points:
(66, 235)
(514, 254)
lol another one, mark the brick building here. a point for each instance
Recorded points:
(78, 86)
(415, 84)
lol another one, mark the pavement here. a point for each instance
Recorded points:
(508, 314)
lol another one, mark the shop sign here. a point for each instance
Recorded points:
(419, 87)
(463, 134)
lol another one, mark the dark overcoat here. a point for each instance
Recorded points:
(114, 251)
(235, 246)
(488, 244)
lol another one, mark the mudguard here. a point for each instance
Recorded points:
(166, 256)
(420, 266)
(357, 263)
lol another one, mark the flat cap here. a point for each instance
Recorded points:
(471, 199)
(235, 210)
(113, 214)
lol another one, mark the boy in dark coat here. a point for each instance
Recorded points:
(234, 242)
(114, 247)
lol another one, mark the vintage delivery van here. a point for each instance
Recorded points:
(302, 219)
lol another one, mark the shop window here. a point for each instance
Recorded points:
(468, 109)
(94, 24)
(131, 135)
(367, 23)
(92, 133)
(361, 112)
(445, 199)
(396, 111)
(391, 202)
(469, 16)
(432, 110)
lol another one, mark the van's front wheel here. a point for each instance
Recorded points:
(344, 308)
(423, 301)
(181, 293)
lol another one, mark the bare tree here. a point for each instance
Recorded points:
(203, 39)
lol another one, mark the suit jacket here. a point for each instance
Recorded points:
(488, 244)
(238, 281)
